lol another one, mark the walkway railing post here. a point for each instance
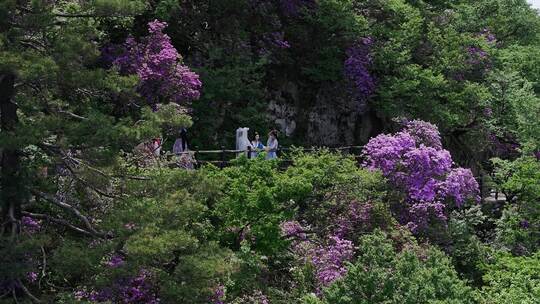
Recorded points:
(249, 152)
(222, 157)
(481, 185)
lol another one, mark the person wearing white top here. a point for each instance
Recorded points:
(242, 141)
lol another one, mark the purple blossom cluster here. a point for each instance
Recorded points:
(293, 229)
(420, 214)
(384, 151)
(277, 40)
(158, 65)
(488, 112)
(459, 185)
(257, 297)
(357, 214)
(329, 260)
(488, 35)
(356, 69)
(115, 261)
(476, 55)
(134, 290)
(30, 225)
(424, 133)
(424, 168)
(32, 276)
(415, 163)
(503, 145)
(218, 296)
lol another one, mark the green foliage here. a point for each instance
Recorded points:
(334, 182)
(337, 27)
(517, 229)
(520, 178)
(76, 261)
(257, 197)
(511, 280)
(464, 247)
(383, 275)
(165, 229)
(233, 90)
(251, 207)
(196, 230)
(515, 107)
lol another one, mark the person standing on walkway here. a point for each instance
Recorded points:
(181, 143)
(242, 141)
(155, 147)
(257, 145)
(272, 145)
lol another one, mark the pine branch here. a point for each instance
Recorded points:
(44, 266)
(27, 292)
(72, 115)
(87, 184)
(58, 221)
(70, 208)
(90, 15)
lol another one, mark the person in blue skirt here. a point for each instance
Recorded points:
(272, 145)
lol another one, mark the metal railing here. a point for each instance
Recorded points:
(226, 155)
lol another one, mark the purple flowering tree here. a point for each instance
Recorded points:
(159, 66)
(488, 36)
(218, 295)
(356, 69)
(416, 164)
(356, 217)
(329, 260)
(327, 257)
(138, 289)
(115, 261)
(30, 225)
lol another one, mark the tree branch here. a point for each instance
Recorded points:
(27, 292)
(67, 159)
(90, 15)
(44, 267)
(79, 15)
(73, 210)
(57, 221)
(72, 115)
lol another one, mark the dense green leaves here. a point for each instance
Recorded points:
(382, 275)
(512, 280)
(85, 220)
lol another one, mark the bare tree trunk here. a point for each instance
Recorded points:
(10, 186)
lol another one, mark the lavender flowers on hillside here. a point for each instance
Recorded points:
(356, 69)
(159, 66)
(328, 258)
(416, 164)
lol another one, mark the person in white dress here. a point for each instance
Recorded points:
(242, 141)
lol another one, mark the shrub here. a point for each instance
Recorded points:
(381, 274)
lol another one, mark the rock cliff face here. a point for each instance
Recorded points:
(327, 116)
